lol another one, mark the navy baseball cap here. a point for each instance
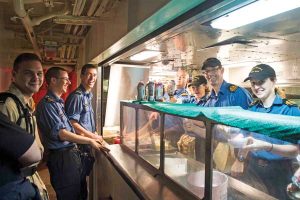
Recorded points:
(211, 62)
(198, 80)
(261, 72)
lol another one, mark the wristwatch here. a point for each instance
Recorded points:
(241, 158)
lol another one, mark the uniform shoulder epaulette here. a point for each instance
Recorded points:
(184, 94)
(79, 92)
(289, 103)
(49, 99)
(255, 102)
(233, 88)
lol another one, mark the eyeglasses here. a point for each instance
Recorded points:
(211, 71)
(64, 78)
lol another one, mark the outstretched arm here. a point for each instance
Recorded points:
(286, 150)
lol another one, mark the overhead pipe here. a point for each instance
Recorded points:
(29, 23)
(37, 21)
(26, 21)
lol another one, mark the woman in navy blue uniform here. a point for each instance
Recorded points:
(269, 159)
(200, 90)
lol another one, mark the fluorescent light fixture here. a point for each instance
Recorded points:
(144, 55)
(253, 12)
(241, 64)
(132, 65)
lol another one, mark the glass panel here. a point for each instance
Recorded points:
(128, 131)
(185, 151)
(253, 168)
(149, 136)
(246, 165)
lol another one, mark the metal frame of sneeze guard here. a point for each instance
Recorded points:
(184, 111)
(208, 142)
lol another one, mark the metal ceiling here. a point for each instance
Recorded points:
(55, 28)
(275, 40)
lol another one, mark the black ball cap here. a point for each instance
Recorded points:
(198, 80)
(261, 72)
(211, 62)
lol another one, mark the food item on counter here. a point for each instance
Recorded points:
(186, 145)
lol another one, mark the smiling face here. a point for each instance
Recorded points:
(88, 79)
(263, 88)
(214, 75)
(199, 91)
(29, 77)
(63, 81)
(60, 82)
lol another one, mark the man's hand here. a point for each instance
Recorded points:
(153, 116)
(96, 144)
(98, 137)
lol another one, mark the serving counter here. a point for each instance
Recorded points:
(169, 151)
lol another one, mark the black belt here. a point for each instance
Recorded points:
(62, 149)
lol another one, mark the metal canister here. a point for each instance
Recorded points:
(150, 91)
(159, 91)
(140, 91)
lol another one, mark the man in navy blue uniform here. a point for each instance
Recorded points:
(181, 94)
(59, 137)
(269, 159)
(223, 93)
(80, 112)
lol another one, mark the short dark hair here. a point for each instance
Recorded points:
(211, 62)
(86, 67)
(23, 58)
(53, 72)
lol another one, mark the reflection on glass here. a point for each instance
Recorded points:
(128, 131)
(242, 160)
(149, 137)
(252, 164)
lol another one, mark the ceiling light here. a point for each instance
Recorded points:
(241, 64)
(144, 55)
(253, 12)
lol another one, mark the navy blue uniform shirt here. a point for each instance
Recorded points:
(229, 95)
(51, 118)
(182, 95)
(199, 102)
(79, 108)
(279, 106)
